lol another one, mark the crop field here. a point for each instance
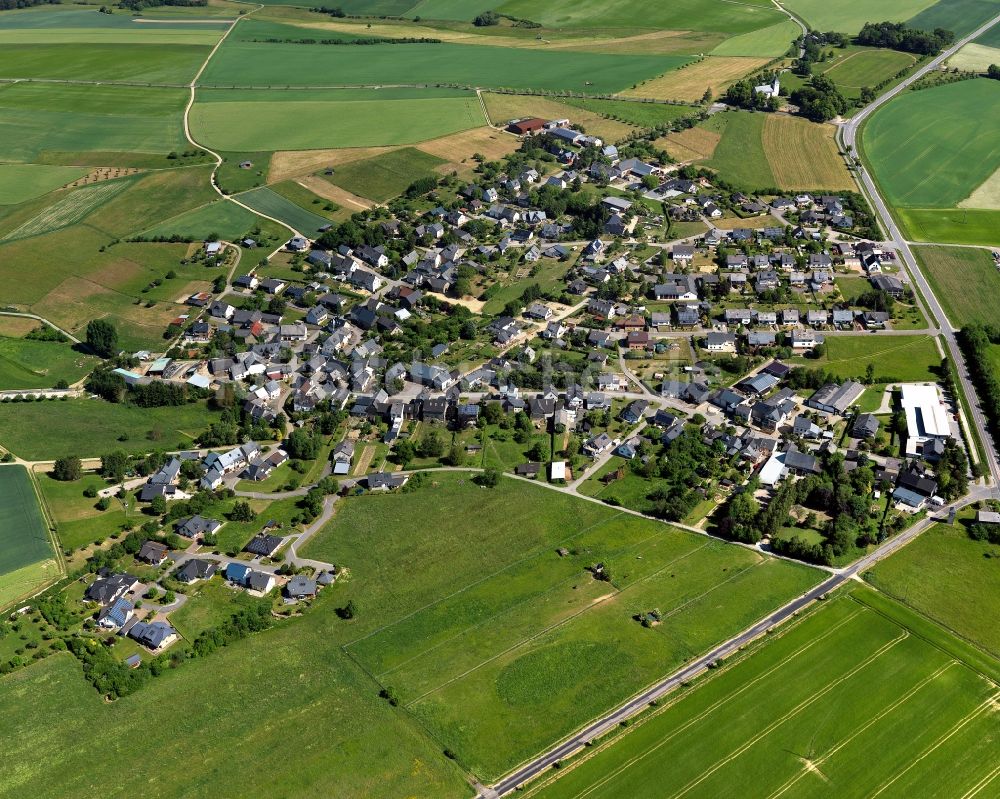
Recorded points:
(21, 182)
(70, 209)
(769, 42)
(220, 217)
(949, 578)
(690, 81)
(850, 16)
(315, 694)
(40, 364)
(965, 280)
(802, 715)
(26, 556)
(170, 65)
(740, 157)
(907, 359)
(281, 65)
(867, 68)
(89, 427)
(804, 154)
(97, 125)
(273, 120)
(490, 628)
(932, 148)
(77, 519)
(975, 57)
(694, 144)
(385, 176)
(274, 205)
(952, 226)
(960, 16)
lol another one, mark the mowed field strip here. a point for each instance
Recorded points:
(965, 280)
(503, 632)
(801, 716)
(70, 209)
(26, 556)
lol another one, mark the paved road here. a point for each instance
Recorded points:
(849, 134)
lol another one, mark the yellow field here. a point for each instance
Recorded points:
(504, 107)
(458, 148)
(328, 191)
(803, 154)
(17, 326)
(689, 82)
(693, 144)
(975, 57)
(752, 222)
(986, 196)
(293, 163)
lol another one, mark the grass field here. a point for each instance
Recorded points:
(70, 209)
(273, 120)
(740, 156)
(164, 64)
(92, 124)
(26, 556)
(221, 218)
(864, 67)
(269, 202)
(802, 715)
(690, 81)
(280, 65)
(769, 42)
(89, 427)
(489, 627)
(965, 280)
(642, 115)
(21, 182)
(694, 144)
(960, 16)
(975, 57)
(851, 15)
(952, 225)
(951, 579)
(803, 154)
(77, 519)
(25, 363)
(907, 359)
(385, 176)
(933, 148)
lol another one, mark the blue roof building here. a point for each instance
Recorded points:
(237, 573)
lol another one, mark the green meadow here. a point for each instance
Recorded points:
(952, 225)
(269, 202)
(489, 628)
(280, 65)
(26, 556)
(849, 16)
(78, 521)
(802, 715)
(25, 363)
(740, 156)
(960, 16)
(221, 218)
(21, 182)
(302, 120)
(965, 281)
(385, 176)
(170, 65)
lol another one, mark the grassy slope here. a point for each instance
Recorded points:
(904, 358)
(965, 280)
(78, 522)
(273, 204)
(950, 578)
(40, 364)
(21, 182)
(850, 15)
(385, 176)
(740, 156)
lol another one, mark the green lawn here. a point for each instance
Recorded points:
(273, 120)
(802, 715)
(41, 364)
(740, 157)
(26, 556)
(965, 281)
(932, 148)
(385, 176)
(78, 521)
(488, 627)
(951, 579)
(96, 125)
(281, 65)
(952, 226)
(209, 604)
(907, 359)
(89, 427)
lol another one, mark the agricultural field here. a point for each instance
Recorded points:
(740, 157)
(270, 203)
(803, 154)
(283, 65)
(69, 209)
(78, 521)
(960, 16)
(489, 627)
(21, 182)
(769, 42)
(385, 176)
(694, 144)
(273, 120)
(26, 557)
(851, 15)
(90, 125)
(25, 363)
(801, 716)
(642, 115)
(221, 218)
(856, 67)
(935, 147)
(690, 81)
(975, 57)
(965, 281)
(949, 578)
(89, 427)
(905, 359)
(165, 65)
(952, 226)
